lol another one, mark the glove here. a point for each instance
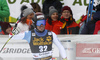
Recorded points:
(15, 31)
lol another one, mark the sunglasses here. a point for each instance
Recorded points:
(40, 22)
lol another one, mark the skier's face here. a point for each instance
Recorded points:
(66, 14)
(41, 27)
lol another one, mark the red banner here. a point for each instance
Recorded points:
(88, 50)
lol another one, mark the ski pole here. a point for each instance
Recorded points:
(6, 43)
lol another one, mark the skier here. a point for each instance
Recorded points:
(40, 41)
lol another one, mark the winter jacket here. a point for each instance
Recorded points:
(66, 26)
(89, 27)
(2, 33)
(96, 17)
(82, 23)
(84, 18)
(4, 11)
(97, 28)
(22, 27)
(50, 27)
(47, 3)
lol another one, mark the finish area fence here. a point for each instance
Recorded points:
(78, 47)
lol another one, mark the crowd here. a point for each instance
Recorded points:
(59, 19)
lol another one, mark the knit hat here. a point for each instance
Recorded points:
(4, 26)
(23, 7)
(52, 10)
(27, 11)
(67, 8)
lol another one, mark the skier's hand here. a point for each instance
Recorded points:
(15, 31)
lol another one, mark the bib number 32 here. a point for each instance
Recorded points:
(43, 48)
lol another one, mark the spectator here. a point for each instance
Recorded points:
(97, 28)
(97, 18)
(90, 26)
(37, 10)
(36, 7)
(26, 21)
(83, 20)
(52, 19)
(5, 28)
(67, 24)
(4, 11)
(23, 7)
(47, 3)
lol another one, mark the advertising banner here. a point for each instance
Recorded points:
(80, 47)
(87, 51)
(15, 50)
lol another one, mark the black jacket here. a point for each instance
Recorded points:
(47, 3)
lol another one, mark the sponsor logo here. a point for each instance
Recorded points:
(45, 53)
(16, 50)
(35, 56)
(70, 49)
(91, 50)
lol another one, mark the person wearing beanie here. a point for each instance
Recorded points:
(26, 22)
(68, 9)
(52, 19)
(41, 40)
(23, 7)
(5, 28)
(47, 3)
(67, 24)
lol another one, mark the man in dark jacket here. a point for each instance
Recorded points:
(67, 24)
(47, 3)
(90, 26)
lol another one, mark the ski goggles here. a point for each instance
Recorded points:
(40, 22)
